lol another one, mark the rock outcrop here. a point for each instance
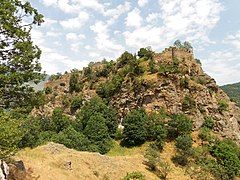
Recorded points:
(184, 88)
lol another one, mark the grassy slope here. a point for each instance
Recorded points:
(49, 162)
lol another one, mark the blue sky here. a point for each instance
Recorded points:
(77, 32)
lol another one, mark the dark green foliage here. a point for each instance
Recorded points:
(227, 154)
(222, 106)
(134, 132)
(72, 139)
(208, 122)
(96, 105)
(134, 176)
(76, 103)
(19, 57)
(205, 134)
(145, 53)
(179, 125)
(124, 59)
(188, 103)
(198, 61)
(54, 77)
(10, 134)
(96, 131)
(134, 67)
(48, 90)
(59, 120)
(165, 69)
(156, 130)
(74, 84)
(109, 88)
(186, 45)
(233, 91)
(180, 159)
(184, 83)
(152, 66)
(184, 142)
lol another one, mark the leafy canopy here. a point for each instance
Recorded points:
(19, 57)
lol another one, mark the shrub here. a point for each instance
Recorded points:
(146, 53)
(76, 103)
(155, 164)
(179, 125)
(208, 122)
(134, 132)
(74, 84)
(188, 103)
(227, 154)
(109, 88)
(124, 59)
(184, 142)
(180, 159)
(152, 66)
(59, 120)
(96, 105)
(205, 134)
(10, 135)
(97, 132)
(48, 90)
(66, 101)
(222, 106)
(134, 176)
(72, 139)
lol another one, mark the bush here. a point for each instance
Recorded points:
(72, 139)
(96, 105)
(48, 90)
(188, 103)
(134, 176)
(222, 106)
(59, 120)
(152, 66)
(208, 122)
(179, 125)
(184, 142)
(97, 132)
(205, 134)
(10, 135)
(74, 84)
(227, 154)
(76, 103)
(109, 88)
(180, 159)
(155, 164)
(124, 59)
(145, 53)
(134, 132)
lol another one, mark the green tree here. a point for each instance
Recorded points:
(60, 121)
(76, 103)
(19, 57)
(97, 132)
(124, 59)
(10, 135)
(179, 125)
(74, 84)
(178, 44)
(135, 132)
(96, 105)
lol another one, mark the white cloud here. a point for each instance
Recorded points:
(49, 2)
(103, 41)
(77, 22)
(37, 37)
(152, 17)
(116, 12)
(53, 34)
(142, 3)
(74, 37)
(223, 66)
(233, 39)
(48, 22)
(134, 18)
(189, 19)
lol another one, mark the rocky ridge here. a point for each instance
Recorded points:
(186, 89)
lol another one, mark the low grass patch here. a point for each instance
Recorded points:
(118, 150)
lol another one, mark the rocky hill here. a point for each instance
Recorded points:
(172, 80)
(233, 91)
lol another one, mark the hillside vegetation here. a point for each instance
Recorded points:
(233, 91)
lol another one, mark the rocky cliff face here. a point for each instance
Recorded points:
(179, 86)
